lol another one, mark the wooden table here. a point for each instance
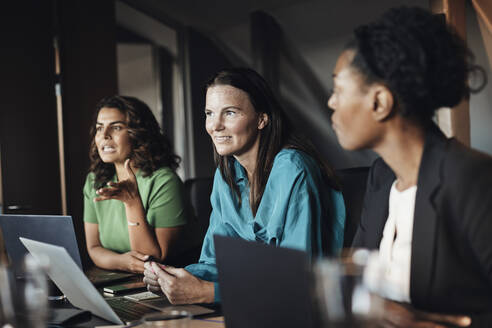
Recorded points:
(212, 322)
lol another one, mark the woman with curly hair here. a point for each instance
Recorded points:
(133, 199)
(428, 202)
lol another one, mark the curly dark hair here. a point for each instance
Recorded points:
(277, 134)
(151, 149)
(422, 61)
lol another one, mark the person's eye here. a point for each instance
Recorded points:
(208, 113)
(99, 128)
(117, 127)
(230, 113)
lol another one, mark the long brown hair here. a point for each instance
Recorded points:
(275, 136)
(151, 149)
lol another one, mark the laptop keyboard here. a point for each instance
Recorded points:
(128, 310)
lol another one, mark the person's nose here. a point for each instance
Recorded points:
(216, 123)
(107, 133)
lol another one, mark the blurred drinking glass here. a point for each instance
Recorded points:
(343, 296)
(7, 312)
(32, 292)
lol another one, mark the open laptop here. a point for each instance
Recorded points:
(82, 294)
(72, 281)
(53, 229)
(264, 286)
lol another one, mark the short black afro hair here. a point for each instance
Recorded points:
(418, 57)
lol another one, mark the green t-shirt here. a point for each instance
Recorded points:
(162, 195)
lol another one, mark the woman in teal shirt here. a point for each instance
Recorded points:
(133, 200)
(270, 186)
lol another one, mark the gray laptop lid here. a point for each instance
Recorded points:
(71, 280)
(263, 286)
(53, 229)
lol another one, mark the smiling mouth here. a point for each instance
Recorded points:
(108, 149)
(222, 139)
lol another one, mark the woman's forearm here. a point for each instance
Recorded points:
(106, 259)
(141, 234)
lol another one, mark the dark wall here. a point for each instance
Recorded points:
(28, 118)
(28, 125)
(204, 60)
(88, 62)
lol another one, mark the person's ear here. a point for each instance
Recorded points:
(383, 103)
(262, 121)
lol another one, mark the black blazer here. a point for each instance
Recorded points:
(451, 261)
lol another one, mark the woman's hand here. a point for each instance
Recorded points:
(150, 278)
(179, 286)
(126, 190)
(133, 261)
(400, 315)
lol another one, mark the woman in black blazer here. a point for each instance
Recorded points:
(388, 83)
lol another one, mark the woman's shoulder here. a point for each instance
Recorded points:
(294, 160)
(467, 165)
(218, 176)
(161, 175)
(89, 184)
(89, 180)
(162, 172)
(90, 176)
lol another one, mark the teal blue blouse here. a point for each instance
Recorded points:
(296, 204)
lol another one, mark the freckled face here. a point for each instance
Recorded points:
(353, 105)
(112, 139)
(232, 122)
